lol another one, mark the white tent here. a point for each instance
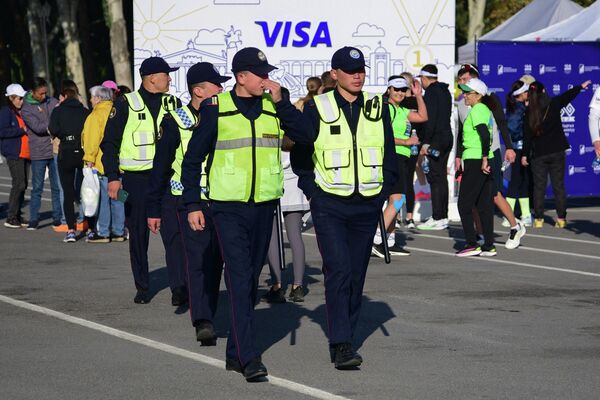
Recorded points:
(581, 27)
(536, 15)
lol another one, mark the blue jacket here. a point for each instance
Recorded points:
(515, 122)
(10, 134)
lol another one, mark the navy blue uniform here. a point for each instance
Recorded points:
(135, 183)
(244, 229)
(344, 226)
(192, 256)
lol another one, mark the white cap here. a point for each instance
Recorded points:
(520, 90)
(398, 83)
(474, 85)
(14, 89)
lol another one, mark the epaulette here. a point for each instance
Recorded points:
(213, 101)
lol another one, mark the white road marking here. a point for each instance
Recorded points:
(213, 362)
(596, 242)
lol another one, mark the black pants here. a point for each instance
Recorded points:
(410, 166)
(476, 190)
(438, 181)
(553, 165)
(19, 169)
(518, 188)
(70, 164)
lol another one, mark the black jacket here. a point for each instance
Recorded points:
(66, 123)
(437, 132)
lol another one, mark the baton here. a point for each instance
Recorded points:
(278, 216)
(386, 250)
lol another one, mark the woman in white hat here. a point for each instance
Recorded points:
(15, 148)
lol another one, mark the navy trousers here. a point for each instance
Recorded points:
(203, 263)
(136, 185)
(244, 231)
(172, 239)
(345, 230)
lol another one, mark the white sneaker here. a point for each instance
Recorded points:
(514, 237)
(527, 221)
(505, 222)
(434, 225)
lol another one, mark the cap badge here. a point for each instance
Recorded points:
(261, 56)
(354, 54)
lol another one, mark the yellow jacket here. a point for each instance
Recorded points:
(93, 132)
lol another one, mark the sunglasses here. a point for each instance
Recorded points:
(403, 90)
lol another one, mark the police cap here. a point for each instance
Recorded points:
(205, 72)
(253, 60)
(348, 59)
(155, 65)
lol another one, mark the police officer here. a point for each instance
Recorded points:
(197, 250)
(350, 172)
(129, 145)
(240, 131)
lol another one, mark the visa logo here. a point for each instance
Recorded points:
(302, 34)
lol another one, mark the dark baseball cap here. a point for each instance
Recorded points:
(155, 65)
(428, 70)
(205, 72)
(348, 59)
(253, 60)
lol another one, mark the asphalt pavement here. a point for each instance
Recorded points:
(522, 325)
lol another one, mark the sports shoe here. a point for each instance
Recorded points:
(410, 224)
(345, 357)
(560, 223)
(118, 238)
(487, 251)
(422, 196)
(142, 297)
(93, 237)
(12, 223)
(378, 251)
(527, 221)
(254, 370)
(434, 224)
(297, 294)
(179, 296)
(538, 223)
(469, 250)
(514, 237)
(505, 222)
(396, 250)
(70, 237)
(24, 223)
(58, 227)
(205, 332)
(33, 225)
(274, 296)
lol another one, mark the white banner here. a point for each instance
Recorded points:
(298, 37)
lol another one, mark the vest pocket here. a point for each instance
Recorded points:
(270, 185)
(144, 141)
(228, 181)
(372, 161)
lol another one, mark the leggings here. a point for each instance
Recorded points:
(410, 166)
(477, 190)
(293, 228)
(70, 163)
(518, 188)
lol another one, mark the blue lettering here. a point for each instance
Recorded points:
(322, 36)
(301, 31)
(286, 34)
(300, 27)
(270, 38)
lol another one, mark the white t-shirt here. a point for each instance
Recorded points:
(595, 103)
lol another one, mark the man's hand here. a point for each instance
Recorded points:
(485, 167)
(196, 220)
(524, 162)
(274, 89)
(597, 147)
(510, 155)
(424, 149)
(113, 189)
(411, 140)
(416, 88)
(154, 225)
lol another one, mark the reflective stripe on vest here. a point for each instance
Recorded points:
(246, 164)
(345, 163)
(139, 135)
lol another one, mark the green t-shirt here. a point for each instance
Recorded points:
(399, 117)
(478, 115)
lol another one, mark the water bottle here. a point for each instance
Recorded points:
(433, 152)
(414, 149)
(505, 165)
(596, 165)
(425, 165)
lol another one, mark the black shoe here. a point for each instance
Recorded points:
(13, 223)
(32, 226)
(179, 296)
(297, 294)
(378, 250)
(117, 238)
(345, 357)
(93, 237)
(205, 333)
(234, 365)
(255, 370)
(274, 296)
(141, 297)
(396, 250)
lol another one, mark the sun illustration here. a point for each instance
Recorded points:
(150, 29)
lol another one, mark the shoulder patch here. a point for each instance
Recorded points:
(113, 112)
(213, 101)
(187, 121)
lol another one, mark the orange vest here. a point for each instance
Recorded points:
(24, 140)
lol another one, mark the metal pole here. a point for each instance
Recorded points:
(386, 250)
(278, 216)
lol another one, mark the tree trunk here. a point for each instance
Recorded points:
(34, 24)
(118, 43)
(476, 13)
(67, 10)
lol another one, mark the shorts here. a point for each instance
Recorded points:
(400, 185)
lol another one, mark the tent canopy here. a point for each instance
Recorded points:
(581, 27)
(537, 15)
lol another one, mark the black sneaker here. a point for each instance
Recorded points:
(396, 250)
(297, 294)
(488, 251)
(33, 225)
(12, 223)
(24, 223)
(93, 237)
(378, 251)
(118, 238)
(410, 224)
(255, 370)
(179, 296)
(141, 297)
(345, 357)
(205, 333)
(274, 296)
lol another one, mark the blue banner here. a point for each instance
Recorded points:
(559, 66)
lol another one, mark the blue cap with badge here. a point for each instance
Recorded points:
(155, 65)
(253, 60)
(348, 59)
(205, 72)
